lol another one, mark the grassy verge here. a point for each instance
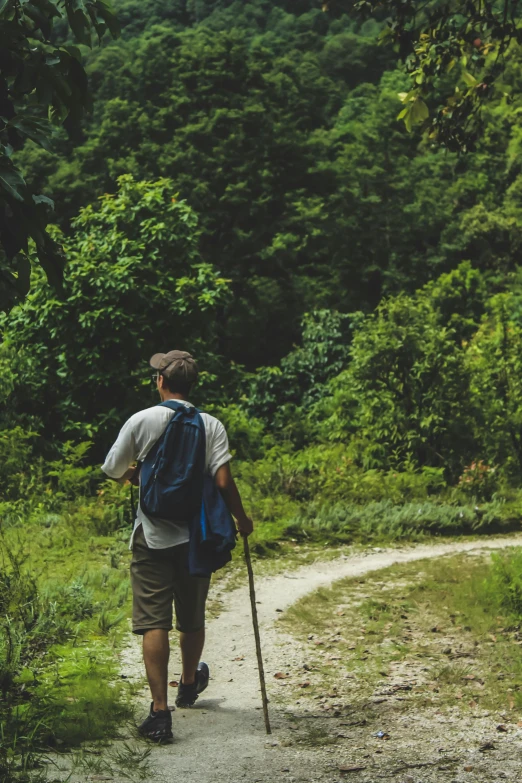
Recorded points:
(414, 671)
(64, 603)
(435, 634)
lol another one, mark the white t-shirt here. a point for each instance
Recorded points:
(136, 438)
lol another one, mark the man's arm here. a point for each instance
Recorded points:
(227, 486)
(118, 464)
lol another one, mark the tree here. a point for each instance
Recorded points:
(405, 395)
(275, 393)
(455, 54)
(494, 359)
(134, 284)
(42, 85)
(231, 118)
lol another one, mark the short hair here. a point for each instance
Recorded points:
(177, 384)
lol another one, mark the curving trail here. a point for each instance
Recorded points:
(222, 738)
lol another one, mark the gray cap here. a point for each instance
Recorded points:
(176, 364)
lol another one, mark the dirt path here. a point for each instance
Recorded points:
(223, 739)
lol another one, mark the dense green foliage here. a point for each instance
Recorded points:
(134, 273)
(64, 594)
(293, 197)
(278, 124)
(42, 85)
(454, 53)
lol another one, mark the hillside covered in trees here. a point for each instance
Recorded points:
(259, 201)
(278, 124)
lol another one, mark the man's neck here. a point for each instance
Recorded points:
(168, 395)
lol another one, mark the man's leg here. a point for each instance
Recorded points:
(191, 645)
(190, 611)
(156, 658)
(190, 596)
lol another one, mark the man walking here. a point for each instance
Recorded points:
(159, 567)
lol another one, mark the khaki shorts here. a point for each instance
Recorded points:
(160, 577)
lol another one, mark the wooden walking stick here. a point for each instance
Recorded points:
(256, 633)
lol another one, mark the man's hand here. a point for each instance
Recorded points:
(245, 526)
(227, 486)
(128, 475)
(135, 478)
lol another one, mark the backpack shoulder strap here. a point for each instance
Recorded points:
(178, 406)
(174, 405)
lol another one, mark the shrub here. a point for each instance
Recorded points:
(478, 480)
(494, 360)
(18, 465)
(329, 474)
(275, 393)
(404, 396)
(71, 477)
(247, 434)
(133, 273)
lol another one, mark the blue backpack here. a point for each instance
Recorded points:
(172, 472)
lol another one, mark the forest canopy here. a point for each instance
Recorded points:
(278, 125)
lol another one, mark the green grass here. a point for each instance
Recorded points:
(65, 601)
(385, 521)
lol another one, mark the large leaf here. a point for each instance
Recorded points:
(80, 24)
(44, 200)
(35, 128)
(40, 19)
(52, 260)
(12, 182)
(419, 112)
(45, 80)
(469, 79)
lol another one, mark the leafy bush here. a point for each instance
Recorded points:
(67, 490)
(18, 466)
(26, 632)
(329, 474)
(133, 273)
(71, 478)
(404, 396)
(109, 512)
(460, 298)
(478, 480)
(247, 435)
(275, 392)
(494, 361)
